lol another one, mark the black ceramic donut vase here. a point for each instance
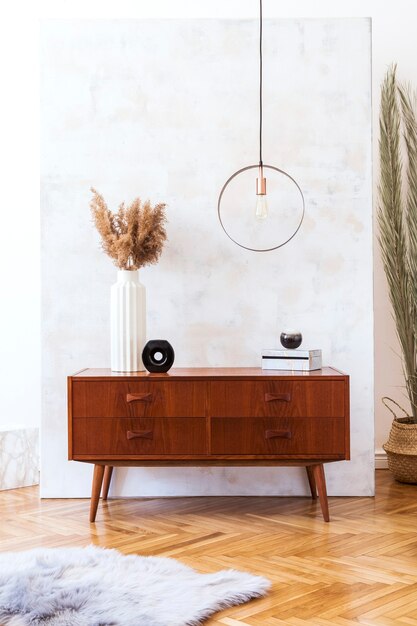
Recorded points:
(158, 355)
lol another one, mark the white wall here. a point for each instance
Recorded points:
(20, 232)
(393, 40)
(168, 109)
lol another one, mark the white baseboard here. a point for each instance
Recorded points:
(381, 461)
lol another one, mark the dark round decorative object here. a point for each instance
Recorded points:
(158, 355)
(291, 340)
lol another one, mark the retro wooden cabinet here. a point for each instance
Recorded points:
(210, 416)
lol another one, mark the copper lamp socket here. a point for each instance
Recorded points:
(261, 186)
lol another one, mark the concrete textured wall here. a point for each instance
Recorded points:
(167, 109)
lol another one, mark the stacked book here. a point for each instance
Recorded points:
(294, 360)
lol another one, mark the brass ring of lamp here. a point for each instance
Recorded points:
(244, 169)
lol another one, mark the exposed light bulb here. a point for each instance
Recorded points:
(261, 209)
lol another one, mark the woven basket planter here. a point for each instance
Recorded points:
(401, 449)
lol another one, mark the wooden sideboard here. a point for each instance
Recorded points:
(208, 416)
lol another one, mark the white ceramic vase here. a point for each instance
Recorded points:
(128, 322)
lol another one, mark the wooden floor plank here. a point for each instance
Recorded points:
(361, 569)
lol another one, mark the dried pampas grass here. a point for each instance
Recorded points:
(133, 236)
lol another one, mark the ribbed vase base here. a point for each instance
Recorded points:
(128, 322)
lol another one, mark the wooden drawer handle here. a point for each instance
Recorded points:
(282, 434)
(283, 397)
(139, 434)
(139, 397)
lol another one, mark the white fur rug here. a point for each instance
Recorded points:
(97, 587)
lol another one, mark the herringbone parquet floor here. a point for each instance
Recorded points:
(359, 569)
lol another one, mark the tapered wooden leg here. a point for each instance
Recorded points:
(311, 481)
(108, 471)
(321, 488)
(95, 492)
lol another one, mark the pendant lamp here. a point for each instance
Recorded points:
(261, 207)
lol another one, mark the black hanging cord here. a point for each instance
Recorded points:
(260, 82)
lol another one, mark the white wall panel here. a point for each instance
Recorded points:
(167, 109)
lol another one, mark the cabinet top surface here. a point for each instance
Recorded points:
(208, 372)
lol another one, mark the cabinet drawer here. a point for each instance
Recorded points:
(315, 398)
(139, 436)
(276, 435)
(138, 399)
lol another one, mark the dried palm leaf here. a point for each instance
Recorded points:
(397, 219)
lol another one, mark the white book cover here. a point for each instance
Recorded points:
(294, 360)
